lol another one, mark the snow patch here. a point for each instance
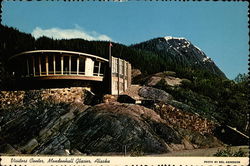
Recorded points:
(206, 59)
(170, 37)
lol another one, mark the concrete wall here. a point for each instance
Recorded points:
(120, 76)
(9, 99)
(89, 67)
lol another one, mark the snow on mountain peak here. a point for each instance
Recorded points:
(206, 59)
(170, 37)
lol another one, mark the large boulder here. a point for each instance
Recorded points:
(155, 94)
(135, 73)
(113, 126)
(167, 77)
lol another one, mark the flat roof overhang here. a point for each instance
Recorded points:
(60, 51)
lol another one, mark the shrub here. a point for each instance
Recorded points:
(137, 151)
(228, 152)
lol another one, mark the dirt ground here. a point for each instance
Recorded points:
(202, 152)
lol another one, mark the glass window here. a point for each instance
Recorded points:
(113, 65)
(58, 64)
(65, 64)
(81, 65)
(30, 65)
(116, 65)
(96, 68)
(73, 65)
(36, 65)
(125, 69)
(102, 69)
(120, 66)
(43, 64)
(51, 66)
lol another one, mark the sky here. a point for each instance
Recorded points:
(220, 29)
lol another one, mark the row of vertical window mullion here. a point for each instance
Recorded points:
(42, 65)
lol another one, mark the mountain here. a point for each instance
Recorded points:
(181, 52)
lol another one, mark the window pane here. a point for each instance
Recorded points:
(37, 65)
(73, 65)
(58, 64)
(96, 67)
(102, 68)
(43, 64)
(30, 62)
(50, 60)
(66, 65)
(82, 65)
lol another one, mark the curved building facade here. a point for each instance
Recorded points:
(58, 64)
(70, 65)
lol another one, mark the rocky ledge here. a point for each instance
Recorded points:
(75, 128)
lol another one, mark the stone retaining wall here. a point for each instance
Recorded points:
(19, 98)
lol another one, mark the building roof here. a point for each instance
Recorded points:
(59, 51)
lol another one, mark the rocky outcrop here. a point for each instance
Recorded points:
(10, 98)
(116, 125)
(135, 73)
(154, 94)
(54, 128)
(65, 129)
(38, 128)
(56, 95)
(133, 92)
(155, 79)
(54, 121)
(198, 130)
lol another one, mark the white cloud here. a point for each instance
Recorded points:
(77, 32)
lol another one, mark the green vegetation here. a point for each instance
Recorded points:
(228, 152)
(214, 97)
(137, 151)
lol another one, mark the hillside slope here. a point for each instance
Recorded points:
(181, 52)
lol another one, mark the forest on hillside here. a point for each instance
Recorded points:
(220, 98)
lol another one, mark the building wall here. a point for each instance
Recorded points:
(120, 75)
(89, 67)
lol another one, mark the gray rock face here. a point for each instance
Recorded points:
(51, 129)
(155, 94)
(109, 127)
(31, 145)
(66, 129)
(8, 149)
